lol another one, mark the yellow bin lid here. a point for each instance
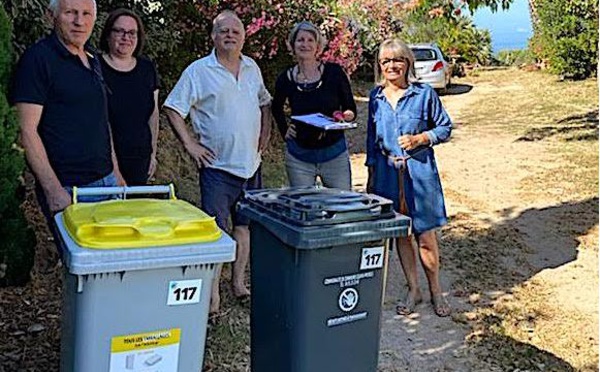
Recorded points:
(137, 223)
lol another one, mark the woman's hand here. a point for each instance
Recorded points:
(347, 115)
(152, 166)
(370, 179)
(120, 179)
(410, 142)
(291, 132)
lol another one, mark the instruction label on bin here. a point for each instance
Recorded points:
(152, 351)
(349, 280)
(184, 292)
(371, 258)
(332, 322)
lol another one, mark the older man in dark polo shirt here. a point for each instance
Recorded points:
(61, 104)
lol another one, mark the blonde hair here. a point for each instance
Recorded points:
(310, 28)
(399, 49)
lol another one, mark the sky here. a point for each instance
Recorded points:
(510, 29)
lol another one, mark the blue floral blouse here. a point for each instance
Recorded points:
(418, 111)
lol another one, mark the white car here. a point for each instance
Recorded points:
(431, 66)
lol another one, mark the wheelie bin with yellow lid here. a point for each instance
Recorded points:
(137, 280)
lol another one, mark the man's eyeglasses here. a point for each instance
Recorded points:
(387, 61)
(121, 33)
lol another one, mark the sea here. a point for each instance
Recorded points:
(510, 29)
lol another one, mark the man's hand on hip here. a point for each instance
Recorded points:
(203, 156)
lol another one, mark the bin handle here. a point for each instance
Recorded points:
(123, 191)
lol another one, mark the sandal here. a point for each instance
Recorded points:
(408, 306)
(441, 307)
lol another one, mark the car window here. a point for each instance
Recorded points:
(424, 54)
(443, 56)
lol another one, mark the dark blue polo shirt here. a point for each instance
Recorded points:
(74, 122)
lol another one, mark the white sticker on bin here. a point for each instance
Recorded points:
(371, 258)
(184, 292)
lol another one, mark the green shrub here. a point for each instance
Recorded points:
(567, 37)
(455, 36)
(28, 20)
(18, 241)
(515, 57)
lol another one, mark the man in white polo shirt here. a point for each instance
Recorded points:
(229, 107)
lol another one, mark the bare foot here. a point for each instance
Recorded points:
(240, 290)
(407, 306)
(441, 307)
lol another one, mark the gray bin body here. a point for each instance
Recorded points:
(301, 275)
(109, 294)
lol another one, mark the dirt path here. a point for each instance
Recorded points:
(483, 173)
(519, 256)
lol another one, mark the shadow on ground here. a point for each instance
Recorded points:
(456, 89)
(573, 128)
(482, 259)
(487, 262)
(494, 260)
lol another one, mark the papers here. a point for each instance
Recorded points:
(324, 122)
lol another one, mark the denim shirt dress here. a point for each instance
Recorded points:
(418, 111)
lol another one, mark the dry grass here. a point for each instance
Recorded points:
(532, 103)
(517, 331)
(514, 326)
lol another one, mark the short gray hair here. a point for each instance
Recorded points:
(310, 28)
(224, 15)
(53, 6)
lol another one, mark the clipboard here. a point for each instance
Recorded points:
(324, 122)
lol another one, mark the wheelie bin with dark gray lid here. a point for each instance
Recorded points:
(319, 258)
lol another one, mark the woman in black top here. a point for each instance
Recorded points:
(310, 87)
(132, 84)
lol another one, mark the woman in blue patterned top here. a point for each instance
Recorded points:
(406, 119)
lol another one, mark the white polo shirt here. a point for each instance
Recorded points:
(225, 112)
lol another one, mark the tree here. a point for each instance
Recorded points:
(453, 32)
(18, 241)
(567, 36)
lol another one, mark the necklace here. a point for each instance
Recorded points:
(308, 76)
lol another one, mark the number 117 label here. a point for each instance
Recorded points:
(371, 258)
(184, 292)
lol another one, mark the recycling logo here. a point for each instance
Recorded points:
(348, 299)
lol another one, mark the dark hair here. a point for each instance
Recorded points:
(110, 22)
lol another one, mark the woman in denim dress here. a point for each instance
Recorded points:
(406, 119)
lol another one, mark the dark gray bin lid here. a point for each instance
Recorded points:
(310, 206)
(317, 217)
